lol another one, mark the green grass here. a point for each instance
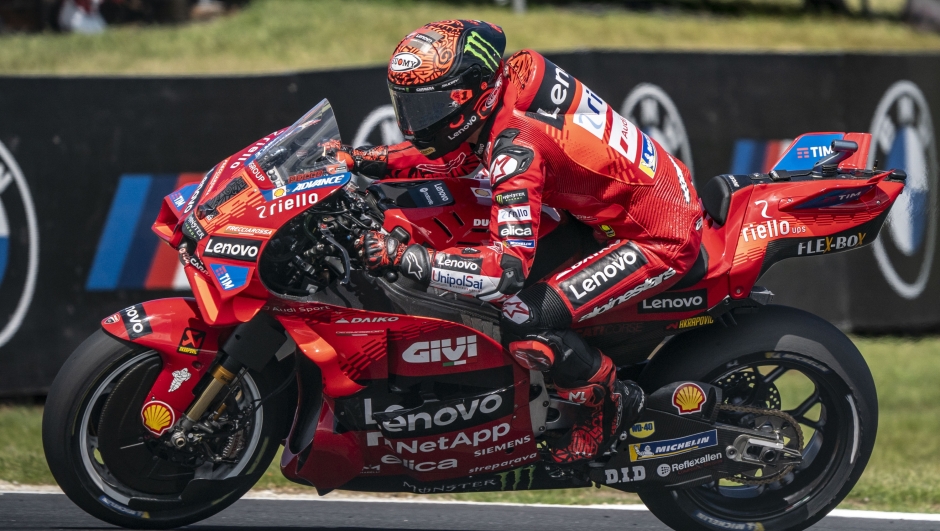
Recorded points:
(903, 475)
(904, 471)
(21, 457)
(279, 35)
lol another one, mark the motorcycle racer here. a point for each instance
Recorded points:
(544, 139)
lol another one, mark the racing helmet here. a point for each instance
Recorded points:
(444, 81)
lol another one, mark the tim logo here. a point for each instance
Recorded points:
(458, 351)
(230, 277)
(802, 153)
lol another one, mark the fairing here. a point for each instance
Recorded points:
(186, 344)
(369, 360)
(395, 360)
(223, 224)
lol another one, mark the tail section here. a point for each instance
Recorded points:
(810, 148)
(819, 199)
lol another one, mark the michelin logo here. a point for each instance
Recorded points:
(670, 447)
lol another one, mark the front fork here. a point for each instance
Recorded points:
(251, 345)
(222, 374)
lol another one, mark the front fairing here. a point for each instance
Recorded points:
(221, 225)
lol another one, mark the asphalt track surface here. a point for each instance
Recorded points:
(55, 511)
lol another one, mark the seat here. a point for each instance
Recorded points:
(716, 198)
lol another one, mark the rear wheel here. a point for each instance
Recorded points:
(114, 469)
(785, 359)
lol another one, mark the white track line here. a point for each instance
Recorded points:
(880, 515)
(839, 513)
(9, 488)
(15, 488)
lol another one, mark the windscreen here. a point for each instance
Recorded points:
(301, 151)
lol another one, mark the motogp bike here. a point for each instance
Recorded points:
(758, 416)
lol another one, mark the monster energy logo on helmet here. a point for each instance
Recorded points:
(483, 50)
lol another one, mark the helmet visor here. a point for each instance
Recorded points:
(417, 111)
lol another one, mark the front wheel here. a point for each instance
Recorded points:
(785, 359)
(110, 466)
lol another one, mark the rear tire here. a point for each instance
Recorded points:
(73, 410)
(836, 450)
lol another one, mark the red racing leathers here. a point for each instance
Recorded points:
(552, 141)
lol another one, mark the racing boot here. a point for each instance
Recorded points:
(609, 405)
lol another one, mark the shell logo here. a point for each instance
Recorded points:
(688, 398)
(157, 417)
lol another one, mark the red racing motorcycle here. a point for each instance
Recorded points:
(758, 416)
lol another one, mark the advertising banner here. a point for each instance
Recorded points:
(85, 162)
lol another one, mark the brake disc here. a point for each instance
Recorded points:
(743, 384)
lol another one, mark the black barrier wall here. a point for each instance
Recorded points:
(85, 161)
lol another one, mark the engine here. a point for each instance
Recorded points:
(317, 248)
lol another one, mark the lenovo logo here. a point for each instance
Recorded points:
(599, 272)
(464, 412)
(455, 262)
(233, 248)
(675, 302)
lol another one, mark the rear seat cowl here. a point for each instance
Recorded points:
(716, 195)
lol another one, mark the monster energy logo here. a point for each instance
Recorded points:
(517, 477)
(483, 50)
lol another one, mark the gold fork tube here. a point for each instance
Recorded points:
(221, 378)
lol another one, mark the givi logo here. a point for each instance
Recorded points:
(452, 349)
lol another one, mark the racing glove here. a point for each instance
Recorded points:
(370, 162)
(379, 250)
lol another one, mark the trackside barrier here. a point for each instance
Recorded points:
(85, 161)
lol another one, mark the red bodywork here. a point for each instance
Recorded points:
(359, 352)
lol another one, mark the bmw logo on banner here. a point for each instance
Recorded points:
(379, 128)
(903, 138)
(19, 246)
(652, 110)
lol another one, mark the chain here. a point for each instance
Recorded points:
(767, 413)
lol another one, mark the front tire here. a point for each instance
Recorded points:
(756, 362)
(70, 437)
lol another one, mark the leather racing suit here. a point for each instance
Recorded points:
(552, 141)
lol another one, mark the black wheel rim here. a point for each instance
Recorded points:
(829, 439)
(87, 436)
